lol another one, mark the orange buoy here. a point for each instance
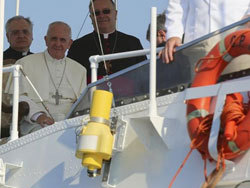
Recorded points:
(236, 137)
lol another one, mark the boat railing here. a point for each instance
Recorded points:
(96, 59)
(15, 70)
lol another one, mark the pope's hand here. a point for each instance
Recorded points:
(44, 120)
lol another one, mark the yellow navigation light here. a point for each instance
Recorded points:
(96, 141)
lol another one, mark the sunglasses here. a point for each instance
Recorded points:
(104, 11)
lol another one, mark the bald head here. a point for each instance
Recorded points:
(58, 39)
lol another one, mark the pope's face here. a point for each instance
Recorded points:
(58, 40)
(105, 16)
(19, 35)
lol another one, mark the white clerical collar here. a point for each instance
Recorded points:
(25, 53)
(106, 35)
(53, 60)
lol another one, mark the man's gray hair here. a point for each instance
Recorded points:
(62, 23)
(161, 19)
(90, 4)
(16, 18)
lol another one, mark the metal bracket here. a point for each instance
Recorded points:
(120, 133)
(105, 177)
(121, 130)
(3, 171)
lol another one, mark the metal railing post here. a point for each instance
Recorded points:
(14, 127)
(152, 72)
(93, 66)
(1, 53)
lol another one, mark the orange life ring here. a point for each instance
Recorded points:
(235, 44)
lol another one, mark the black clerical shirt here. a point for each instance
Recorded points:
(13, 54)
(88, 45)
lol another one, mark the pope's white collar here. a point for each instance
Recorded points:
(50, 58)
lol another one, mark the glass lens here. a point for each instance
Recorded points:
(106, 11)
(97, 12)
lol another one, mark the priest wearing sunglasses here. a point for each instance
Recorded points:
(112, 41)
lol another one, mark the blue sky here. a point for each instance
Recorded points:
(133, 17)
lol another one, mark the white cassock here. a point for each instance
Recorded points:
(48, 75)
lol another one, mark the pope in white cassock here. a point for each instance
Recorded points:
(58, 79)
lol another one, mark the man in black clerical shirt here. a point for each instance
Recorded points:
(19, 35)
(112, 40)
